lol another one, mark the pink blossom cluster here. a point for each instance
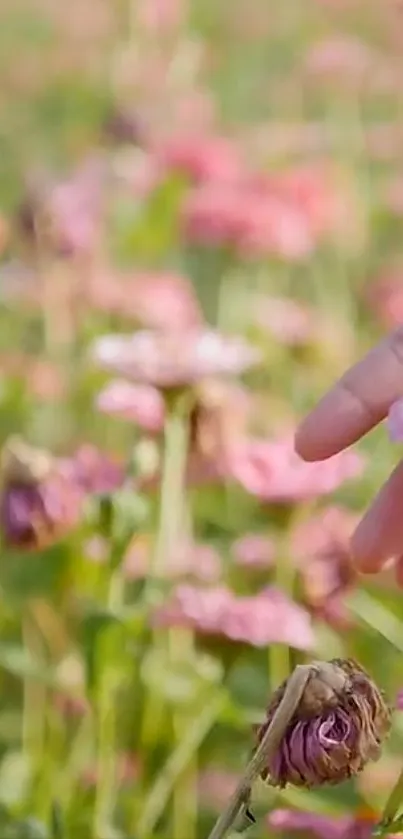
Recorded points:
(269, 617)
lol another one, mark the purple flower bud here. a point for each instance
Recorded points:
(338, 727)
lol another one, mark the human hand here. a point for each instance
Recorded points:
(356, 403)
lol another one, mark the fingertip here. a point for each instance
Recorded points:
(365, 557)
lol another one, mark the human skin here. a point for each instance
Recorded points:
(352, 407)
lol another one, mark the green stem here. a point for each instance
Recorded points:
(176, 765)
(265, 751)
(34, 702)
(106, 788)
(393, 804)
(179, 649)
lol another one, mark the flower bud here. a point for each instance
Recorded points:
(38, 502)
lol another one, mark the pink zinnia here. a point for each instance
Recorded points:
(254, 550)
(273, 471)
(321, 547)
(202, 159)
(262, 619)
(174, 360)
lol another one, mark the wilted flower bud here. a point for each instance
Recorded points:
(338, 726)
(38, 502)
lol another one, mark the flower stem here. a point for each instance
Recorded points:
(179, 649)
(393, 803)
(106, 716)
(265, 751)
(34, 708)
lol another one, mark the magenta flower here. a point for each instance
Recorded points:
(39, 504)
(140, 404)
(395, 422)
(254, 550)
(174, 360)
(319, 826)
(273, 471)
(266, 618)
(338, 727)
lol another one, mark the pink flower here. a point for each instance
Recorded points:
(289, 322)
(164, 301)
(202, 159)
(197, 561)
(140, 404)
(320, 827)
(266, 618)
(160, 300)
(273, 471)
(321, 547)
(395, 422)
(254, 550)
(399, 700)
(385, 297)
(67, 214)
(174, 360)
(340, 58)
(93, 470)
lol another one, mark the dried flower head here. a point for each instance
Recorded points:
(338, 727)
(39, 504)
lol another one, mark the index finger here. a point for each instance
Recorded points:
(359, 400)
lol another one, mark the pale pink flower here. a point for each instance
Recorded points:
(273, 471)
(395, 422)
(340, 57)
(202, 159)
(385, 297)
(164, 300)
(213, 214)
(159, 300)
(140, 404)
(321, 548)
(174, 360)
(94, 471)
(160, 17)
(254, 550)
(399, 700)
(216, 787)
(192, 560)
(66, 214)
(261, 619)
(291, 323)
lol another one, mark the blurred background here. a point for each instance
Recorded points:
(200, 228)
